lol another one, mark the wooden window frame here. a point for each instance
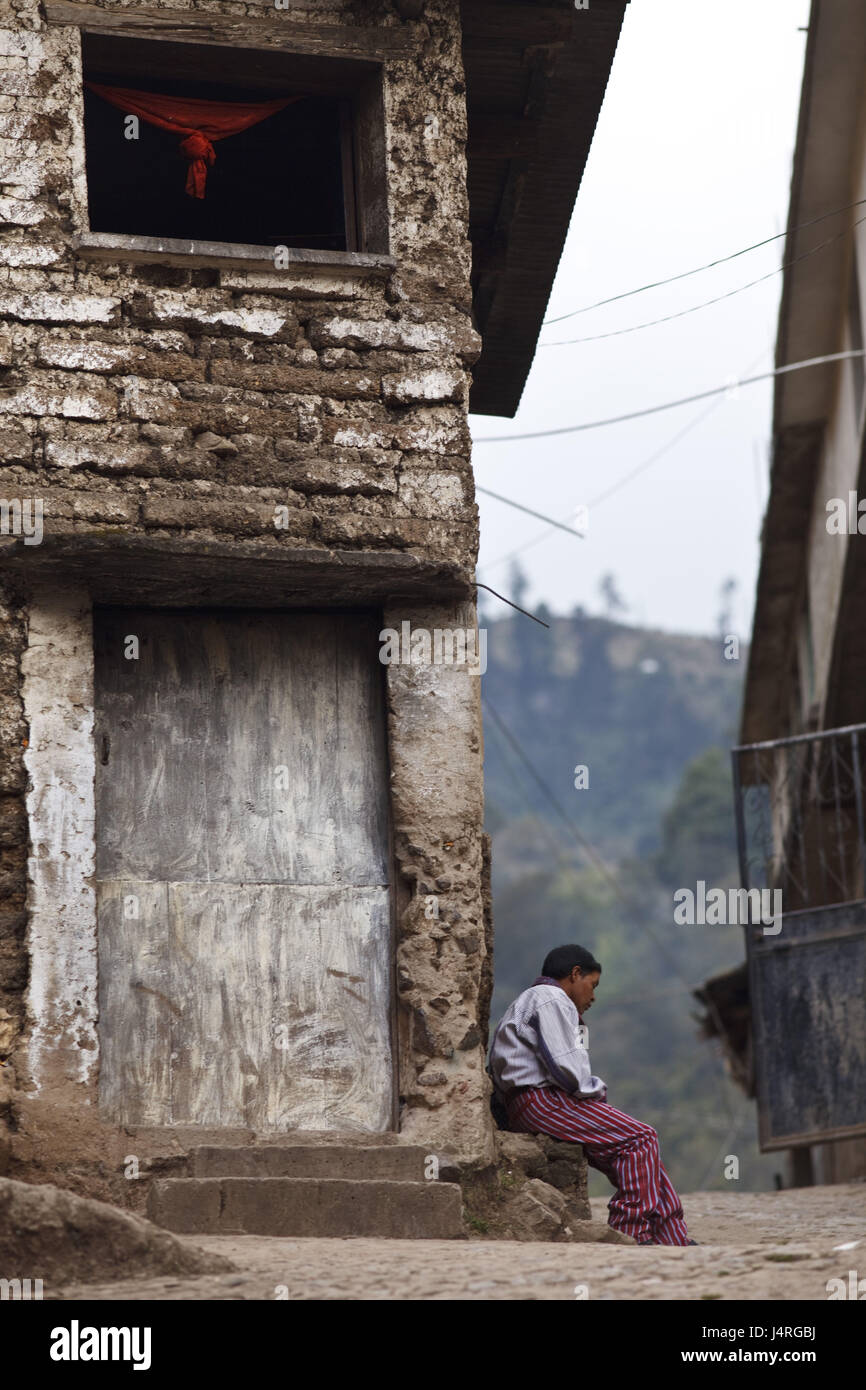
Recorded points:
(345, 62)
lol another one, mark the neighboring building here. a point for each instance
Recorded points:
(794, 1022)
(251, 260)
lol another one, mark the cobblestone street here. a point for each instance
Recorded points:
(757, 1246)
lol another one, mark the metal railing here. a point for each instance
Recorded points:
(799, 805)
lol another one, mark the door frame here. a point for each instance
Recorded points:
(61, 1040)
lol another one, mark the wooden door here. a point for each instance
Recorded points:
(242, 870)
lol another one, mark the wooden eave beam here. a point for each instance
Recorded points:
(378, 43)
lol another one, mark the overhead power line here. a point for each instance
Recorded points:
(684, 275)
(589, 850)
(560, 856)
(516, 606)
(539, 515)
(646, 463)
(655, 457)
(672, 405)
(707, 303)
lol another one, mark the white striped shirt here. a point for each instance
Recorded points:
(538, 1043)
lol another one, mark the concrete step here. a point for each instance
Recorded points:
(280, 1206)
(393, 1162)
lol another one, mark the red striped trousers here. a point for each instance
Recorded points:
(644, 1204)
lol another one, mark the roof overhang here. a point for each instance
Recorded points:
(811, 319)
(536, 75)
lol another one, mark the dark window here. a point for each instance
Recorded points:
(302, 177)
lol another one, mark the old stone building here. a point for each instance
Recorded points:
(259, 261)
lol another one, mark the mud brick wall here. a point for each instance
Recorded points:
(175, 406)
(13, 827)
(164, 399)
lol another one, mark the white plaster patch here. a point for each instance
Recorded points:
(87, 357)
(13, 125)
(73, 405)
(144, 399)
(407, 334)
(422, 386)
(23, 174)
(284, 282)
(432, 494)
(116, 456)
(15, 147)
(364, 437)
(30, 255)
(60, 308)
(60, 761)
(18, 213)
(264, 323)
(431, 437)
(20, 45)
(379, 333)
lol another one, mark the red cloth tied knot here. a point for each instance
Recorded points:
(201, 154)
(199, 121)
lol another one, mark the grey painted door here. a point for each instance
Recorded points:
(242, 870)
(807, 987)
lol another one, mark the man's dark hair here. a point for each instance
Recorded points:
(562, 959)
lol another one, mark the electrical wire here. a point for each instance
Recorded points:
(515, 606)
(520, 507)
(672, 405)
(587, 848)
(627, 478)
(642, 467)
(647, 463)
(684, 275)
(683, 313)
(561, 858)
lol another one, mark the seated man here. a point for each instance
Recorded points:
(540, 1069)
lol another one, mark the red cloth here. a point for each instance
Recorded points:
(200, 121)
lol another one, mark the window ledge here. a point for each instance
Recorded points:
(226, 255)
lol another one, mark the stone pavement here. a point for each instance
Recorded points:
(773, 1245)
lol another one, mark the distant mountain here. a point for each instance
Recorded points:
(633, 705)
(647, 719)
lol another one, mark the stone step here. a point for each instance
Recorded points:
(393, 1162)
(277, 1206)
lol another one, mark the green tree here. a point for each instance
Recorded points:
(698, 832)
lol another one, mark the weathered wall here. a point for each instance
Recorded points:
(161, 400)
(434, 737)
(161, 412)
(838, 469)
(60, 762)
(13, 837)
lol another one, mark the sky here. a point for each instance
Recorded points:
(691, 161)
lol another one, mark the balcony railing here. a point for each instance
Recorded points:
(800, 816)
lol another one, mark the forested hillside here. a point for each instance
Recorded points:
(608, 787)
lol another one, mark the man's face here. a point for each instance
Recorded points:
(581, 988)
